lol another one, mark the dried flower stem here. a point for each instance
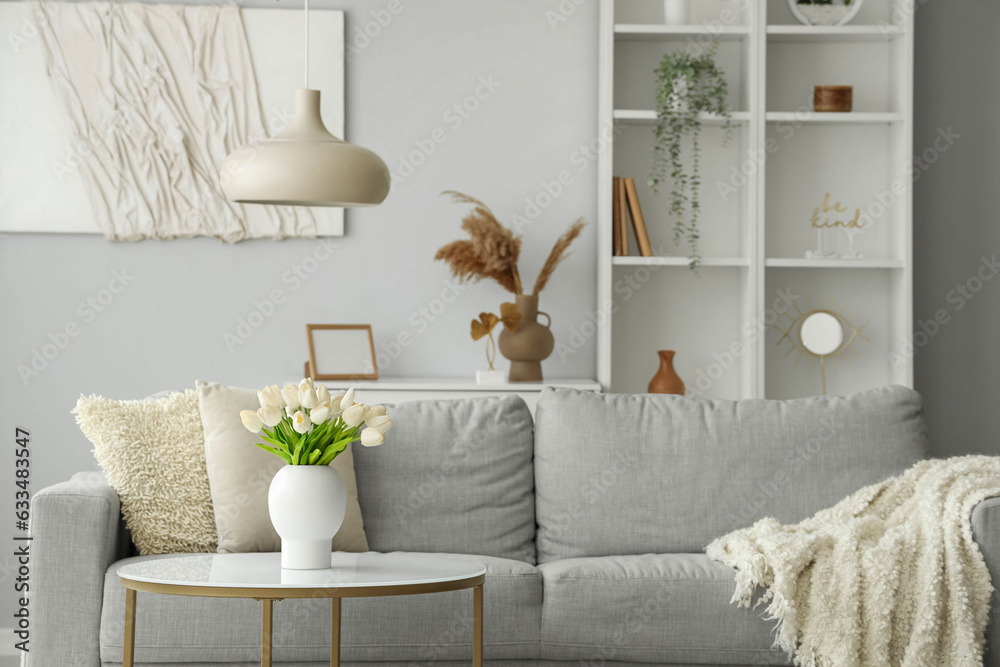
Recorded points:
(558, 254)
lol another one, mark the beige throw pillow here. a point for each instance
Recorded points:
(153, 454)
(240, 474)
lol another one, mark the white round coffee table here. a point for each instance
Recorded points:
(260, 577)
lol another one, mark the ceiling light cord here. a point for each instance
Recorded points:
(307, 44)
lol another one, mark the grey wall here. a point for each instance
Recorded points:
(956, 223)
(166, 328)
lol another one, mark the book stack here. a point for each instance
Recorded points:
(626, 203)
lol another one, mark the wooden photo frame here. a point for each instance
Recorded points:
(341, 352)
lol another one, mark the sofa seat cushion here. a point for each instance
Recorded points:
(175, 629)
(671, 609)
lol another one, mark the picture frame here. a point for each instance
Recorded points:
(341, 352)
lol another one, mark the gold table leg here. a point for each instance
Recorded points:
(128, 656)
(335, 635)
(477, 627)
(266, 628)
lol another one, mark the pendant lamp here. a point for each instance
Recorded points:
(305, 165)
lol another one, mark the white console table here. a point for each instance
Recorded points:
(398, 390)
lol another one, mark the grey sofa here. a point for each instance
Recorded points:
(591, 521)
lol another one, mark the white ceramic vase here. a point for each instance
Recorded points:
(676, 12)
(307, 506)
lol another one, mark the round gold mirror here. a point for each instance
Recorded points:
(821, 333)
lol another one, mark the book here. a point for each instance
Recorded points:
(616, 216)
(623, 216)
(638, 221)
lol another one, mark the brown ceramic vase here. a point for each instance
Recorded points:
(527, 347)
(666, 380)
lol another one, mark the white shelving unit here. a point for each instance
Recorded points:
(758, 195)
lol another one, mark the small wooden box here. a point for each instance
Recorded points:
(833, 98)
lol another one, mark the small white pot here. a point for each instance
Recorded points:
(307, 506)
(678, 100)
(676, 12)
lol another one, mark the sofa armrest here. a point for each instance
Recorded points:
(77, 533)
(986, 532)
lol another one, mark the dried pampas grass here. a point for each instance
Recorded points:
(493, 250)
(558, 254)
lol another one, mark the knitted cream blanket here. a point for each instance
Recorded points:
(888, 576)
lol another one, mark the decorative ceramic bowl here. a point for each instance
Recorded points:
(835, 14)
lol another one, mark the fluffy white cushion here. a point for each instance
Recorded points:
(153, 454)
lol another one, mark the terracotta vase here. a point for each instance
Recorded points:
(530, 344)
(666, 380)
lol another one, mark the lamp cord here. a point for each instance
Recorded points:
(307, 44)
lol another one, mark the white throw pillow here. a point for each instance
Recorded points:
(240, 475)
(153, 454)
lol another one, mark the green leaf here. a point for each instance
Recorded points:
(328, 457)
(277, 443)
(282, 455)
(333, 450)
(297, 453)
(304, 448)
(293, 437)
(287, 432)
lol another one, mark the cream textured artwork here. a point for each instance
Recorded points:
(126, 136)
(158, 121)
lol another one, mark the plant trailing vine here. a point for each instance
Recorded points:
(686, 86)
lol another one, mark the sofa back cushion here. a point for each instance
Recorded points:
(620, 474)
(455, 477)
(146, 449)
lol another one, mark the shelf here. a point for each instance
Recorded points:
(679, 261)
(461, 384)
(850, 117)
(773, 262)
(797, 263)
(849, 33)
(649, 116)
(653, 32)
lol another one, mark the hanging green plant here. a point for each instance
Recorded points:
(686, 86)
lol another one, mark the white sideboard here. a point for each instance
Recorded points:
(398, 390)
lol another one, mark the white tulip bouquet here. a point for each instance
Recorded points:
(305, 425)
